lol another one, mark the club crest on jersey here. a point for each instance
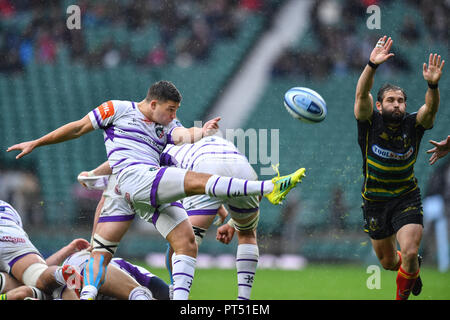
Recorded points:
(159, 130)
(388, 154)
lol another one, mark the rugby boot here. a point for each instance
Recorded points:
(284, 184)
(417, 288)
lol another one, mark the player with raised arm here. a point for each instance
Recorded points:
(389, 139)
(135, 135)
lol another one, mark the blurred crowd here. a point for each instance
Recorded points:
(21, 189)
(191, 27)
(340, 50)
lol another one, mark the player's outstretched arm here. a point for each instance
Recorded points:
(363, 108)
(440, 150)
(59, 256)
(432, 74)
(68, 131)
(190, 135)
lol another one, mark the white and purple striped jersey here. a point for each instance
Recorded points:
(130, 138)
(186, 156)
(8, 215)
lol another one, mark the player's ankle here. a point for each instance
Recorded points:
(89, 292)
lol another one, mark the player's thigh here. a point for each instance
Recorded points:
(385, 249)
(202, 221)
(118, 284)
(409, 237)
(21, 265)
(113, 230)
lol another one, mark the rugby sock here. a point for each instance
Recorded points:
(59, 277)
(246, 263)
(225, 187)
(405, 282)
(3, 297)
(88, 292)
(183, 268)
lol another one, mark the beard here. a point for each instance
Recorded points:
(392, 116)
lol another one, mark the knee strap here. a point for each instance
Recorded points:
(102, 245)
(32, 274)
(199, 233)
(38, 294)
(2, 282)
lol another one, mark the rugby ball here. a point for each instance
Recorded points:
(305, 104)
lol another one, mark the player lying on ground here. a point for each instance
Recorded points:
(20, 258)
(124, 280)
(12, 289)
(440, 150)
(389, 139)
(135, 135)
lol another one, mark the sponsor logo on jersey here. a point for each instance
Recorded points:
(106, 109)
(12, 239)
(388, 154)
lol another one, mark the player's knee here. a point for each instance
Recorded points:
(409, 255)
(32, 276)
(388, 263)
(191, 246)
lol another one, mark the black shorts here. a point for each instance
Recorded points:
(384, 218)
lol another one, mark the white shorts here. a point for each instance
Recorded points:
(149, 192)
(14, 244)
(239, 207)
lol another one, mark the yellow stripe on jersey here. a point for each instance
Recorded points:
(380, 190)
(388, 168)
(410, 177)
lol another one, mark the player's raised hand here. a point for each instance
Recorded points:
(210, 127)
(79, 244)
(441, 149)
(432, 73)
(25, 147)
(381, 52)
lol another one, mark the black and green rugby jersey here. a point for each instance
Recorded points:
(389, 154)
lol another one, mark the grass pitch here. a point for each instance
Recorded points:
(315, 282)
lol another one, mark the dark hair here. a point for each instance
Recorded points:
(388, 87)
(163, 91)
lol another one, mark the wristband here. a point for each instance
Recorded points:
(373, 65)
(432, 86)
